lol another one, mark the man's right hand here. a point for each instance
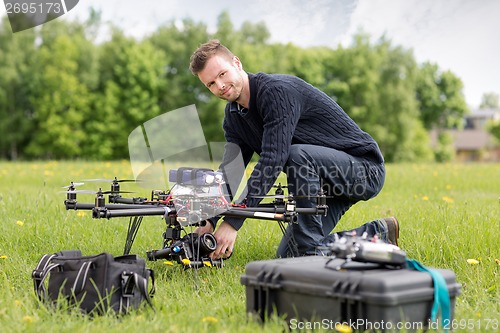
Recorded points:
(226, 237)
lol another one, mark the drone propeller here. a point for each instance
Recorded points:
(98, 192)
(99, 180)
(73, 185)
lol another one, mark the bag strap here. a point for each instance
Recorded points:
(441, 294)
(44, 267)
(40, 272)
(81, 277)
(132, 281)
(40, 289)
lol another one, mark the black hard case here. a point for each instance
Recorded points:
(314, 288)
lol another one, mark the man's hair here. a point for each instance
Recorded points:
(206, 51)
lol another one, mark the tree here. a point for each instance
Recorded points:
(254, 34)
(128, 94)
(490, 100)
(180, 88)
(440, 96)
(225, 30)
(444, 151)
(61, 102)
(375, 84)
(16, 111)
(63, 95)
(494, 128)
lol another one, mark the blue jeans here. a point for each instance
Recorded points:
(346, 180)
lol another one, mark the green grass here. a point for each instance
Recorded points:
(448, 214)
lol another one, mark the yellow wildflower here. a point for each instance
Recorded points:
(497, 261)
(3, 257)
(209, 319)
(448, 199)
(81, 213)
(472, 261)
(343, 328)
(425, 198)
(20, 223)
(28, 319)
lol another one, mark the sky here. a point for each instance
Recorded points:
(458, 35)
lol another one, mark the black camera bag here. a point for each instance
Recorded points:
(94, 283)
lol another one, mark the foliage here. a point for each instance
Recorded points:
(65, 95)
(448, 216)
(442, 103)
(444, 151)
(494, 128)
(16, 111)
(490, 100)
(128, 94)
(60, 99)
(375, 84)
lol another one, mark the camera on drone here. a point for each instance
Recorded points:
(192, 250)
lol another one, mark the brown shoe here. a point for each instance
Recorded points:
(392, 229)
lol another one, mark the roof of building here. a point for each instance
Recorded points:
(484, 113)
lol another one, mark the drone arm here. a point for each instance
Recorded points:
(281, 210)
(243, 213)
(130, 201)
(90, 206)
(110, 213)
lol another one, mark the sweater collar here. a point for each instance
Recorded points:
(236, 108)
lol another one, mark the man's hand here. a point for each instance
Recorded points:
(226, 237)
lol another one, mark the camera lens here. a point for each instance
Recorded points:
(206, 243)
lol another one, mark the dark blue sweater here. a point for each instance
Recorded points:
(285, 110)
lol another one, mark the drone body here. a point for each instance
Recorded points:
(197, 195)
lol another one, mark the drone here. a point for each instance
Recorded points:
(197, 195)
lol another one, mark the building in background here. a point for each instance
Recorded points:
(474, 142)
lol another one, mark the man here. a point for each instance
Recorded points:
(297, 129)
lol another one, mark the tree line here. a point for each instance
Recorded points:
(66, 95)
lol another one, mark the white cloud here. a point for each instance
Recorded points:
(457, 35)
(320, 22)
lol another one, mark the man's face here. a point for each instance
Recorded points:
(223, 77)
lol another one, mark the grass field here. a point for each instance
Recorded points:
(448, 213)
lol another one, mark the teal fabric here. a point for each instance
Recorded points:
(441, 295)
